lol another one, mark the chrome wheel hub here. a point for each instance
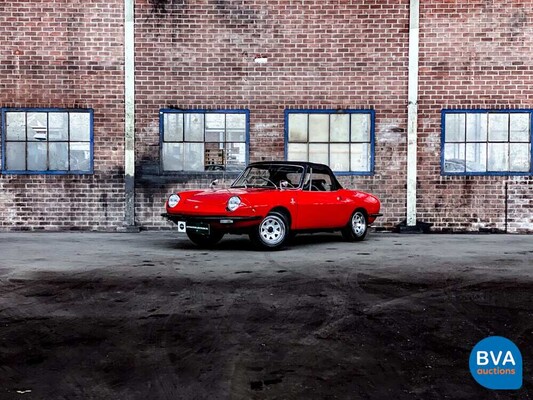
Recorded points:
(272, 230)
(358, 224)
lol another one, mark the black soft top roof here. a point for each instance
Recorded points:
(305, 164)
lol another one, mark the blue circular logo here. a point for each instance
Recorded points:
(496, 363)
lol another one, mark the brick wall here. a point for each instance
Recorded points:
(65, 54)
(321, 55)
(335, 54)
(473, 54)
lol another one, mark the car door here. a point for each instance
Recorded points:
(321, 204)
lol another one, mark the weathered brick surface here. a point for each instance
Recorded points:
(336, 54)
(65, 54)
(473, 54)
(321, 55)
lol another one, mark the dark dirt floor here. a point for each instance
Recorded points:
(149, 316)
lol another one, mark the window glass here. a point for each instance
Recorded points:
(455, 127)
(342, 140)
(172, 157)
(519, 126)
(360, 127)
(519, 157)
(16, 156)
(80, 126)
(297, 152)
(339, 154)
(496, 142)
(318, 128)
(16, 126)
(499, 127)
(47, 141)
(207, 141)
(236, 127)
(298, 127)
(318, 153)
(173, 127)
(59, 156)
(194, 127)
(340, 128)
(360, 157)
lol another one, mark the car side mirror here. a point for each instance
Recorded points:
(283, 184)
(213, 183)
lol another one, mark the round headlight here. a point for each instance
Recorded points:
(233, 203)
(173, 200)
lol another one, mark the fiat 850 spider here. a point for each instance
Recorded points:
(272, 201)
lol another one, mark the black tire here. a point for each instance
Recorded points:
(357, 227)
(272, 233)
(205, 240)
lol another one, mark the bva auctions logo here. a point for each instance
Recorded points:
(496, 363)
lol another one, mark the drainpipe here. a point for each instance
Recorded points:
(129, 114)
(412, 111)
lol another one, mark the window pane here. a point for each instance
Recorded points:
(58, 126)
(80, 153)
(297, 127)
(360, 127)
(172, 156)
(498, 157)
(520, 158)
(236, 127)
(318, 127)
(16, 156)
(476, 157)
(215, 127)
(297, 152)
(498, 127)
(37, 126)
(36, 156)
(236, 155)
(454, 157)
(80, 126)
(318, 153)
(340, 157)
(194, 127)
(194, 156)
(16, 126)
(476, 127)
(340, 128)
(173, 127)
(58, 154)
(360, 157)
(214, 154)
(454, 127)
(519, 126)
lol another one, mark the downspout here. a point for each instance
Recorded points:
(412, 111)
(129, 114)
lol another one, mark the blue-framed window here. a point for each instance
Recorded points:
(486, 142)
(344, 140)
(204, 140)
(47, 141)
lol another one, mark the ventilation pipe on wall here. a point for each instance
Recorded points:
(129, 112)
(412, 112)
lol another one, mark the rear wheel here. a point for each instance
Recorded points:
(205, 240)
(272, 233)
(357, 227)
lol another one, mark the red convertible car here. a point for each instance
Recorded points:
(272, 201)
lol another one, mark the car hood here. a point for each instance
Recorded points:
(221, 195)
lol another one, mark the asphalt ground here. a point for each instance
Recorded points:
(150, 316)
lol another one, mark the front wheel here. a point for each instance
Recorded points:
(272, 233)
(205, 240)
(357, 227)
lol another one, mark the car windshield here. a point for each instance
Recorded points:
(270, 176)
